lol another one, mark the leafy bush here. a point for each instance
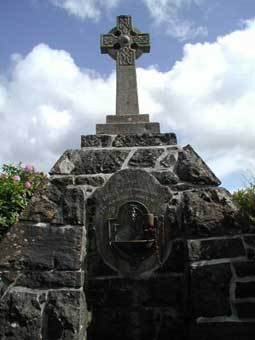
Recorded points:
(245, 199)
(17, 185)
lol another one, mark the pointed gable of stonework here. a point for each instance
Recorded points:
(130, 238)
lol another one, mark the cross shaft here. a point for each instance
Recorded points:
(125, 44)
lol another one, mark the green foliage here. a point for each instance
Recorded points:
(17, 185)
(245, 199)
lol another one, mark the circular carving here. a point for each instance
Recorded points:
(124, 40)
(129, 218)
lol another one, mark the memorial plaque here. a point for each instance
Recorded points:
(129, 219)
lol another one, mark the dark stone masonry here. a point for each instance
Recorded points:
(83, 264)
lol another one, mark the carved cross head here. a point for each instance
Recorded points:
(124, 42)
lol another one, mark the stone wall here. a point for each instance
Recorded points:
(204, 289)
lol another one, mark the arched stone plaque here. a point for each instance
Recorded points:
(129, 219)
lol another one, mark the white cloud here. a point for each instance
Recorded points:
(47, 104)
(169, 14)
(207, 98)
(172, 14)
(85, 9)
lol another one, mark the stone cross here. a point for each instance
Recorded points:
(124, 43)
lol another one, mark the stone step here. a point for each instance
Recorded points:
(127, 128)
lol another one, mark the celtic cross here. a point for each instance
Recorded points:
(124, 43)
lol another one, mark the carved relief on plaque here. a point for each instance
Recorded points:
(126, 56)
(132, 233)
(135, 233)
(124, 24)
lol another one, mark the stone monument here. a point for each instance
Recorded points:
(125, 43)
(131, 238)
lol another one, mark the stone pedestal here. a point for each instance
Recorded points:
(135, 124)
(77, 266)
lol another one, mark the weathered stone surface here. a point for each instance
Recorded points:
(56, 204)
(245, 310)
(245, 290)
(129, 185)
(64, 316)
(42, 247)
(141, 118)
(145, 140)
(96, 141)
(20, 315)
(96, 266)
(95, 181)
(165, 177)
(191, 168)
(170, 159)
(210, 290)
(6, 279)
(145, 158)
(251, 254)
(137, 323)
(165, 290)
(62, 180)
(86, 161)
(211, 212)
(250, 241)
(243, 269)
(128, 128)
(176, 261)
(228, 330)
(50, 279)
(215, 249)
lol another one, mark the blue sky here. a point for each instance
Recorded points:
(198, 80)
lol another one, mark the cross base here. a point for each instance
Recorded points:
(128, 128)
(134, 118)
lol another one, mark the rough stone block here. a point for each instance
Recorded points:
(250, 244)
(127, 128)
(227, 330)
(137, 323)
(159, 139)
(97, 268)
(245, 290)
(169, 161)
(215, 249)
(211, 212)
(157, 291)
(176, 260)
(145, 158)
(210, 290)
(42, 247)
(165, 177)
(20, 315)
(64, 316)
(50, 279)
(102, 141)
(243, 269)
(94, 181)
(140, 118)
(250, 241)
(62, 181)
(246, 310)
(7, 278)
(191, 168)
(86, 161)
(56, 204)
